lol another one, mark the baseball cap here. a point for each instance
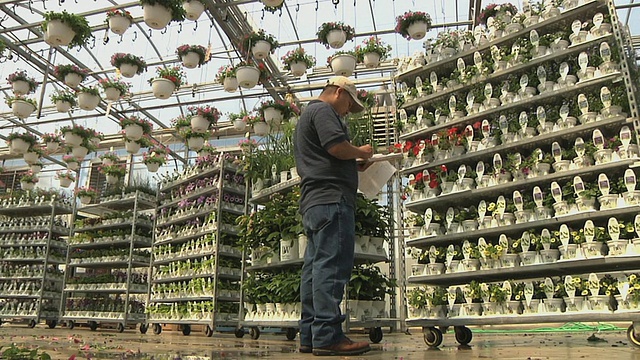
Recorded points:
(347, 85)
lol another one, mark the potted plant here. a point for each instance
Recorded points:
(20, 143)
(238, 120)
(195, 140)
(21, 107)
(133, 146)
(109, 158)
(367, 98)
(193, 9)
(75, 135)
(159, 13)
(154, 159)
(28, 181)
(413, 24)
(275, 111)
(203, 117)
(298, 61)
(88, 98)
(227, 78)
(273, 5)
(72, 163)
(36, 167)
(65, 178)
(51, 141)
(500, 12)
(119, 20)
(86, 194)
(114, 89)
(21, 83)
(248, 74)
(335, 34)
(192, 56)
(64, 100)
(343, 63)
(260, 127)
(128, 64)
(260, 44)
(66, 29)
(33, 154)
(70, 74)
(168, 80)
(372, 51)
(135, 127)
(113, 173)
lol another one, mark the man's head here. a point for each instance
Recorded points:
(341, 93)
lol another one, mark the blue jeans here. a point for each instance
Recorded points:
(328, 261)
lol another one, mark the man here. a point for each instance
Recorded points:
(326, 162)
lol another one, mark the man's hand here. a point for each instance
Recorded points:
(364, 166)
(366, 151)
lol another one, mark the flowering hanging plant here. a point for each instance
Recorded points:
(367, 98)
(175, 74)
(62, 95)
(188, 133)
(262, 68)
(298, 55)
(331, 57)
(325, 28)
(123, 87)
(22, 76)
(119, 12)
(86, 191)
(288, 109)
(208, 112)
(252, 118)
(9, 100)
(52, 138)
(153, 157)
(249, 40)
(118, 59)
(225, 72)
(78, 130)
(29, 138)
(135, 120)
(273, 9)
(89, 90)
(66, 175)
(373, 45)
(60, 71)
(181, 122)
(404, 21)
(78, 24)
(178, 13)
(117, 170)
(492, 10)
(111, 156)
(29, 177)
(183, 50)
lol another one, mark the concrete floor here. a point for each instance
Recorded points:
(62, 343)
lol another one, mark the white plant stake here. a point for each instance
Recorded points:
(579, 147)
(613, 228)
(556, 151)
(570, 288)
(528, 292)
(538, 198)
(517, 200)
(451, 296)
(548, 287)
(466, 249)
(501, 205)
(434, 80)
(589, 231)
(479, 171)
(594, 284)
(605, 52)
(462, 171)
(598, 139)
(482, 209)
(564, 235)
(451, 251)
(603, 184)
(630, 180)
(564, 71)
(419, 85)
(482, 247)
(605, 97)
(428, 217)
(433, 257)
(583, 103)
(525, 241)
(542, 75)
(449, 217)
(556, 192)
(578, 185)
(486, 129)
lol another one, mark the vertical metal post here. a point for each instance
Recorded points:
(131, 243)
(46, 258)
(67, 269)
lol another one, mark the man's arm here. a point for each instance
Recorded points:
(346, 151)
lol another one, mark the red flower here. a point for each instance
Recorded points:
(443, 168)
(433, 183)
(452, 131)
(477, 125)
(407, 146)
(398, 146)
(416, 150)
(419, 177)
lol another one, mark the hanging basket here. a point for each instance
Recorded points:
(162, 88)
(272, 115)
(156, 16)
(133, 132)
(119, 24)
(107, 162)
(239, 125)
(79, 152)
(343, 64)
(195, 143)
(272, 3)
(112, 179)
(230, 84)
(87, 101)
(261, 128)
(153, 166)
(128, 70)
(417, 30)
(191, 60)
(63, 106)
(22, 109)
(371, 60)
(58, 33)
(20, 87)
(132, 147)
(35, 168)
(65, 182)
(52, 147)
(261, 49)
(248, 76)
(25, 185)
(85, 200)
(72, 139)
(298, 68)
(73, 165)
(336, 38)
(193, 9)
(18, 146)
(199, 124)
(72, 80)
(112, 94)
(30, 157)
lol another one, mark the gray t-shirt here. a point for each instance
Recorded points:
(324, 178)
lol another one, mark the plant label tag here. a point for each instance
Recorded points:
(451, 251)
(488, 91)
(482, 247)
(404, 89)
(495, 53)
(541, 114)
(506, 287)
(434, 80)
(433, 254)
(486, 128)
(556, 192)
(578, 185)
(504, 243)
(403, 116)
(597, 20)
(503, 124)
(452, 104)
(579, 147)
(468, 133)
(517, 160)
(479, 170)
(594, 284)
(451, 296)
(605, 97)
(545, 237)
(528, 292)
(589, 231)
(623, 288)
(583, 104)
(556, 151)
(449, 216)
(576, 26)
(428, 217)
(482, 210)
(477, 60)
(461, 65)
(598, 139)
(603, 184)
(501, 205)
(467, 293)
(548, 288)
(570, 288)
(524, 81)
(515, 50)
(517, 200)
(462, 171)
(525, 241)
(625, 136)
(505, 88)
(436, 114)
(613, 227)
(534, 38)
(605, 52)
(583, 61)
(564, 235)
(564, 71)
(419, 113)
(564, 112)
(542, 74)
(470, 99)
(636, 224)
(419, 86)
(630, 180)
(538, 198)
(523, 120)
(435, 140)
(477, 33)
(526, 7)
(466, 249)
(497, 162)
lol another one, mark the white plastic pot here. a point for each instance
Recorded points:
(18, 146)
(153, 166)
(73, 165)
(79, 152)
(58, 33)
(371, 60)
(72, 80)
(239, 125)
(133, 132)
(36, 169)
(261, 128)
(298, 68)
(72, 139)
(25, 185)
(20, 87)
(261, 49)
(52, 147)
(85, 200)
(336, 38)
(417, 30)
(343, 64)
(107, 162)
(112, 179)
(132, 147)
(128, 70)
(193, 9)
(199, 124)
(230, 84)
(30, 157)
(191, 59)
(195, 143)
(272, 115)
(272, 2)
(248, 76)
(65, 182)
(162, 88)
(22, 109)
(119, 24)
(87, 101)
(112, 94)
(156, 16)
(63, 106)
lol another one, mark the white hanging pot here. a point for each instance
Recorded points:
(343, 64)
(261, 49)
(84, 200)
(133, 132)
(87, 101)
(65, 182)
(336, 38)
(26, 185)
(111, 179)
(30, 157)
(371, 60)
(72, 139)
(199, 124)
(195, 143)
(248, 76)
(79, 152)
(95, 141)
(73, 165)
(18, 146)
(119, 24)
(162, 88)
(52, 147)
(112, 94)
(273, 3)
(22, 109)
(35, 168)
(417, 30)
(191, 59)
(261, 128)
(132, 147)
(128, 70)
(20, 87)
(272, 115)
(193, 9)
(298, 68)
(58, 33)
(63, 106)
(107, 162)
(239, 125)
(72, 80)
(156, 16)
(153, 166)
(230, 84)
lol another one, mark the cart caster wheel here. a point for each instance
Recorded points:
(32, 324)
(186, 329)
(463, 335)
(120, 327)
(291, 333)
(432, 337)
(157, 329)
(71, 324)
(375, 335)
(239, 333)
(144, 328)
(635, 341)
(93, 325)
(208, 331)
(254, 332)
(52, 324)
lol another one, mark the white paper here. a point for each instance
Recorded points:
(371, 181)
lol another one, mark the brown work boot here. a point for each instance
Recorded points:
(305, 349)
(343, 347)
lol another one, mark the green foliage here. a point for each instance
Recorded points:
(21, 353)
(77, 23)
(369, 283)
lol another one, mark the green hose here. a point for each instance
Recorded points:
(568, 327)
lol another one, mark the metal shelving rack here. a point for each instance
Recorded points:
(174, 235)
(30, 273)
(138, 202)
(608, 264)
